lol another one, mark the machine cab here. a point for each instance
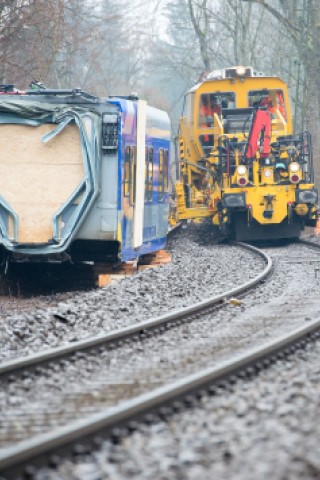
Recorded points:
(224, 102)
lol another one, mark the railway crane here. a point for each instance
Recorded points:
(241, 164)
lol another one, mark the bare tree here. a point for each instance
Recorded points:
(207, 34)
(99, 46)
(300, 19)
(30, 34)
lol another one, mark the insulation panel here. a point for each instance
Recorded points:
(36, 178)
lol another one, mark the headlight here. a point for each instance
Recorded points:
(234, 200)
(241, 170)
(267, 173)
(240, 71)
(306, 196)
(295, 178)
(242, 181)
(294, 167)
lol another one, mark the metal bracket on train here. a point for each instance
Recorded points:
(110, 131)
(268, 212)
(9, 87)
(75, 92)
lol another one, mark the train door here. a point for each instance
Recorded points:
(134, 184)
(139, 177)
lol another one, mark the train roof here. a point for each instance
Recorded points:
(158, 122)
(31, 103)
(232, 74)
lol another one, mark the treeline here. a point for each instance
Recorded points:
(97, 45)
(159, 48)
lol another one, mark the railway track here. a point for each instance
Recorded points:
(26, 366)
(199, 270)
(137, 332)
(80, 436)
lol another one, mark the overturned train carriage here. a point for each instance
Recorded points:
(82, 177)
(241, 164)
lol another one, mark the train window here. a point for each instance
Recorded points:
(129, 174)
(163, 172)
(133, 175)
(188, 106)
(206, 143)
(149, 174)
(211, 103)
(126, 180)
(272, 100)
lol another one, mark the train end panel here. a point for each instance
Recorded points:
(36, 179)
(48, 170)
(244, 231)
(269, 211)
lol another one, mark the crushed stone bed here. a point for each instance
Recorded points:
(200, 268)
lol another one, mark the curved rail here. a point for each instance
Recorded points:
(45, 449)
(309, 243)
(139, 330)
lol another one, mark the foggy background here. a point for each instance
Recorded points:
(159, 48)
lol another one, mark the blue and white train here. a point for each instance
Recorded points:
(82, 177)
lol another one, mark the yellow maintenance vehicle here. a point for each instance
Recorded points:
(240, 162)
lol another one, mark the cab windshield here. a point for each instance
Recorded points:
(211, 103)
(271, 100)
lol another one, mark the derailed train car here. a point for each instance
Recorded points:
(82, 177)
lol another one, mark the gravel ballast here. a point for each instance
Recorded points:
(226, 434)
(262, 428)
(98, 380)
(200, 268)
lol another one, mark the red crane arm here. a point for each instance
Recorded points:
(259, 135)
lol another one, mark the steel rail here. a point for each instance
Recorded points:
(137, 331)
(46, 449)
(310, 244)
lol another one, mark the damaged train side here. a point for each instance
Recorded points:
(82, 177)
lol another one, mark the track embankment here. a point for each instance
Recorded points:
(153, 365)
